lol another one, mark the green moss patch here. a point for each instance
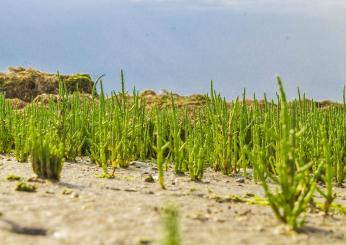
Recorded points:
(22, 186)
(13, 177)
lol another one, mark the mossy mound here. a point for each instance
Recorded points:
(148, 93)
(44, 99)
(165, 99)
(22, 186)
(27, 83)
(17, 104)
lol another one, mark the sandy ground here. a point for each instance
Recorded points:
(83, 209)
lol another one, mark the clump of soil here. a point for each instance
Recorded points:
(27, 83)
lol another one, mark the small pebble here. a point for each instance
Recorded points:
(220, 220)
(199, 216)
(259, 228)
(67, 192)
(74, 195)
(144, 241)
(60, 235)
(35, 179)
(248, 194)
(281, 230)
(240, 180)
(149, 178)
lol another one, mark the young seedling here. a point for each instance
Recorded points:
(161, 145)
(46, 157)
(328, 176)
(295, 185)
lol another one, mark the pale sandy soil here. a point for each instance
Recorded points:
(126, 210)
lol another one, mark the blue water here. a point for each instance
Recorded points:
(182, 45)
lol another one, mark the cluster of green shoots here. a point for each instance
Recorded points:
(39, 134)
(296, 145)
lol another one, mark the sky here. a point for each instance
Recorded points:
(181, 45)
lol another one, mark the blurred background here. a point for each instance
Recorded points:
(181, 45)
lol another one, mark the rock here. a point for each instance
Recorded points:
(199, 194)
(144, 241)
(74, 195)
(164, 92)
(227, 198)
(281, 230)
(60, 235)
(67, 192)
(259, 228)
(88, 206)
(248, 194)
(149, 178)
(245, 213)
(240, 180)
(35, 179)
(199, 216)
(139, 164)
(220, 220)
(206, 181)
(147, 93)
